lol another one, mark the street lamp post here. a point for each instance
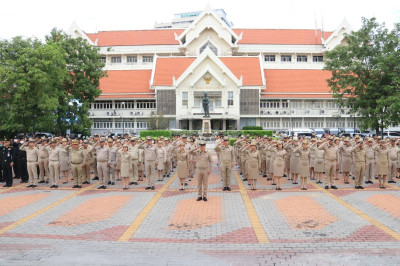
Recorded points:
(122, 116)
(290, 112)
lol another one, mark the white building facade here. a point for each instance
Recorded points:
(253, 77)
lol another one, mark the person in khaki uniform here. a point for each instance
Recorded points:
(331, 161)
(294, 164)
(203, 163)
(167, 165)
(346, 151)
(126, 165)
(304, 162)
(32, 156)
(313, 151)
(95, 142)
(54, 163)
(253, 164)
(182, 156)
(135, 158)
(277, 162)
(43, 161)
(161, 160)
(370, 161)
(103, 162)
(77, 162)
(150, 160)
(382, 164)
(394, 150)
(227, 157)
(360, 156)
(88, 150)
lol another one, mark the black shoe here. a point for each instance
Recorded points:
(356, 187)
(34, 186)
(29, 186)
(104, 187)
(245, 179)
(147, 188)
(52, 186)
(5, 186)
(264, 175)
(130, 183)
(224, 189)
(135, 183)
(41, 182)
(186, 184)
(376, 177)
(394, 181)
(109, 183)
(279, 188)
(79, 186)
(361, 187)
(285, 175)
(84, 183)
(56, 186)
(326, 187)
(152, 188)
(112, 183)
(95, 178)
(167, 175)
(241, 173)
(75, 186)
(333, 187)
(295, 183)
(100, 187)
(228, 188)
(205, 198)
(199, 198)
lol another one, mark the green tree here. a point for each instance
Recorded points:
(366, 74)
(29, 73)
(158, 122)
(75, 94)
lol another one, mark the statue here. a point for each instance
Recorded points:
(206, 102)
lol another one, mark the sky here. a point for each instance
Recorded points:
(31, 18)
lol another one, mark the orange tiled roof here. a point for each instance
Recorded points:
(124, 96)
(296, 81)
(167, 68)
(281, 36)
(289, 96)
(126, 81)
(247, 67)
(135, 37)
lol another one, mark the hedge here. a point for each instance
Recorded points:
(258, 132)
(252, 128)
(156, 133)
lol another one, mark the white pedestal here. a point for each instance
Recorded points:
(206, 127)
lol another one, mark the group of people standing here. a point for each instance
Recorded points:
(296, 158)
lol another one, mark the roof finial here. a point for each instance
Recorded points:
(208, 7)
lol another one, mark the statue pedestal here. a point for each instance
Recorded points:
(206, 127)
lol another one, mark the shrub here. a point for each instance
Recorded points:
(156, 133)
(258, 132)
(252, 128)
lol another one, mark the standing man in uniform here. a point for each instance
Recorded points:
(7, 162)
(43, 162)
(77, 162)
(54, 163)
(370, 161)
(393, 152)
(203, 159)
(150, 160)
(32, 156)
(87, 149)
(331, 161)
(95, 141)
(103, 162)
(113, 162)
(227, 157)
(360, 155)
(135, 158)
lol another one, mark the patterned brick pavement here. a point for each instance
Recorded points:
(169, 227)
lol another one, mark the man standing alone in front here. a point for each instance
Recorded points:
(227, 157)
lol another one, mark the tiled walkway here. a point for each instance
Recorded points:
(169, 227)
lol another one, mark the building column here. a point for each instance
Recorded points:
(223, 124)
(190, 124)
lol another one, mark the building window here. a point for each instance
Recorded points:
(285, 104)
(141, 124)
(116, 60)
(269, 58)
(331, 105)
(197, 102)
(102, 123)
(102, 105)
(296, 123)
(313, 104)
(211, 46)
(286, 58)
(301, 58)
(272, 104)
(126, 105)
(218, 102)
(230, 98)
(313, 123)
(271, 124)
(131, 60)
(145, 104)
(147, 59)
(318, 58)
(185, 99)
(103, 59)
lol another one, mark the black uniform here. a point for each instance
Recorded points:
(7, 157)
(20, 165)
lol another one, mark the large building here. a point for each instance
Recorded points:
(263, 77)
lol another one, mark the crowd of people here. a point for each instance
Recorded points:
(301, 158)
(130, 160)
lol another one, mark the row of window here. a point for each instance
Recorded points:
(120, 125)
(276, 104)
(288, 58)
(130, 59)
(139, 104)
(213, 100)
(298, 123)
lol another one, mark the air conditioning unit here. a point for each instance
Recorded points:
(132, 113)
(139, 113)
(308, 111)
(284, 112)
(277, 112)
(115, 113)
(293, 111)
(153, 113)
(261, 112)
(91, 113)
(268, 112)
(109, 113)
(323, 111)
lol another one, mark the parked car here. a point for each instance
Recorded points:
(391, 134)
(320, 132)
(297, 131)
(44, 134)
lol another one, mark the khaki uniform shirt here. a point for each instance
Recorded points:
(226, 154)
(360, 155)
(77, 156)
(32, 154)
(203, 159)
(102, 153)
(330, 151)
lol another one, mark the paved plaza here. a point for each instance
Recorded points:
(167, 226)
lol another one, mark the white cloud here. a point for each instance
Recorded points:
(37, 18)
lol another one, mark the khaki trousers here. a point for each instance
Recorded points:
(202, 182)
(102, 171)
(44, 169)
(86, 171)
(134, 174)
(112, 172)
(392, 170)
(226, 172)
(369, 169)
(150, 172)
(77, 173)
(360, 170)
(54, 172)
(330, 172)
(32, 172)
(95, 166)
